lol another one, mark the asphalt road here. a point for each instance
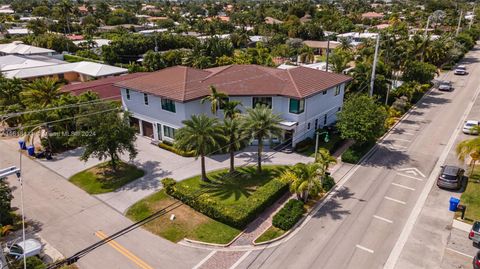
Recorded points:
(70, 219)
(376, 208)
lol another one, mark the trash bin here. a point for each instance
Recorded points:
(22, 144)
(454, 203)
(31, 150)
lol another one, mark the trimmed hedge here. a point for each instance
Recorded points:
(167, 146)
(289, 215)
(328, 183)
(355, 152)
(238, 215)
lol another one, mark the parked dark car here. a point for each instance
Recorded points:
(450, 177)
(476, 261)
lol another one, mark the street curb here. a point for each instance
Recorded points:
(191, 241)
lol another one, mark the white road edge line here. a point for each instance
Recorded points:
(364, 248)
(402, 186)
(395, 200)
(384, 219)
(407, 229)
(403, 175)
(204, 260)
(461, 253)
(237, 263)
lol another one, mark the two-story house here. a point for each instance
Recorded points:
(305, 98)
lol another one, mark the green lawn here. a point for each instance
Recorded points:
(471, 198)
(188, 222)
(269, 234)
(101, 179)
(231, 190)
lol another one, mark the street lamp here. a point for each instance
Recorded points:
(8, 172)
(326, 139)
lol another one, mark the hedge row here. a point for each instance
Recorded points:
(238, 215)
(290, 214)
(171, 148)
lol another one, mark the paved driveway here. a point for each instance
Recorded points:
(158, 164)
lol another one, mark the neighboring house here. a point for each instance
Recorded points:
(18, 48)
(356, 38)
(305, 98)
(270, 20)
(372, 15)
(105, 87)
(14, 62)
(18, 31)
(320, 47)
(79, 71)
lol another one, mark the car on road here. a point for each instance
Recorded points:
(450, 177)
(445, 85)
(29, 248)
(476, 261)
(460, 70)
(474, 234)
(471, 127)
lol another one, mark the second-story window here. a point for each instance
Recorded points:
(296, 106)
(262, 101)
(127, 93)
(145, 99)
(168, 105)
(337, 90)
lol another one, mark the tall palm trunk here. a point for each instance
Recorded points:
(204, 172)
(259, 152)
(232, 154)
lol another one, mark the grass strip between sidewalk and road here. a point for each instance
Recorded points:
(270, 234)
(471, 198)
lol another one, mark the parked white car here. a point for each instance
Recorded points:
(469, 127)
(29, 248)
(460, 70)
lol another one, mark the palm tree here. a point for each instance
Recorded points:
(230, 109)
(339, 61)
(469, 148)
(260, 123)
(304, 179)
(42, 92)
(345, 44)
(324, 159)
(215, 98)
(233, 132)
(201, 134)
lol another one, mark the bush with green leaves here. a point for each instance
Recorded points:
(356, 152)
(328, 183)
(289, 215)
(238, 215)
(169, 184)
(32, 263)
(6, 197)
(168, 146)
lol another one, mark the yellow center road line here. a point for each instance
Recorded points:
(124, 251)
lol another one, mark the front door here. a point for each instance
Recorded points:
(288, 135)
(147, 129)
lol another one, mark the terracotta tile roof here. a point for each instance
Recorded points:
(103, 87)
(372, 15)
(184, 84)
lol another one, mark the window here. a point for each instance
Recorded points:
(168, 132)
(168, 105)
(325, 119)
(296, 106)
(308, 126)
(127, 92)
(337, 90)
(316, 124)
(145, 99)
(325, 92)
(339, 109)
(262, 101)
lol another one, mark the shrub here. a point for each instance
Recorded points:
(290, 214)
(168, 146)
(328, 183)
(356, 152)
(304, 144)
(238, 215)
(169, 185)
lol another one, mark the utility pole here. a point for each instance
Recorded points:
(459, 23)
(328, 52)
(372, 79)
(473, 17)
(426, 27)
